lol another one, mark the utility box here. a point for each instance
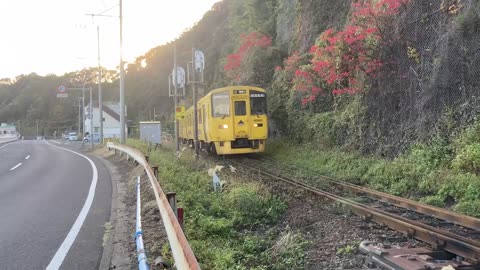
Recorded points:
(151, 132)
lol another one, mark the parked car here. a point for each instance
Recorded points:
(72, 136)
(96, 138)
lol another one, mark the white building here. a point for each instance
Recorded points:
(111, 119)
(7, 130)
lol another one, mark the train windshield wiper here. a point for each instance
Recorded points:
(225, 115)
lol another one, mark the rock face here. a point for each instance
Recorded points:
(431, 81)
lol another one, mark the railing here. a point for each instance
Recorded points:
(182, 253)
(8, 139)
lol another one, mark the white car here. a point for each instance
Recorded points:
(72, 136)
(96, 138)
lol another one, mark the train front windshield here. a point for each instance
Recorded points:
(258, 102)
(221, 104)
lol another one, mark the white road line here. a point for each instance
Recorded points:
(27, 157)
(61, 253)
(16, 166)
(56, 142)
(7, 144)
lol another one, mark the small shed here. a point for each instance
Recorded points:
(151, 132)
(7, 130)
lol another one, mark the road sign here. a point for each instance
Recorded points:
(179, 111)
(199, 61)
(179, 77)
(62, 95)
(62, 89)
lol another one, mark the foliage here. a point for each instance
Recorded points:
(343, 60)
(253, 50)
(434, 200)
(31, 98)
(468, 158)
(424, 173)
(225, 228)
(348, 249)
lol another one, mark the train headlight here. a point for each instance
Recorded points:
(255, 125)
(224, 126)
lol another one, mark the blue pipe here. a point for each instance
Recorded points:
(142, 257)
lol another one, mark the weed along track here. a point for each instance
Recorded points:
(444, 230)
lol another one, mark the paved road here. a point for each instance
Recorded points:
(44, 192)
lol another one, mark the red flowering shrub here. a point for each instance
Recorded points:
(235, 61)
(341, 61)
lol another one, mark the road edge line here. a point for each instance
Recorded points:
(62, 251)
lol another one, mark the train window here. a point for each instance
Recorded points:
(221, 104)
(240, 108)
(258, 102)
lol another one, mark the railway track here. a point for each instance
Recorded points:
(441, 229)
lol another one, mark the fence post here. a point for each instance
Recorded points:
(155, 171)
(181, 218)
(172, 200)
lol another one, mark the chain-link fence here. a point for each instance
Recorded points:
(431, 68)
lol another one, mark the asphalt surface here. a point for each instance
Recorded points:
(41, 199)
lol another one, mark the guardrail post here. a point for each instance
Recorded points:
(172, 200)
(155, 171)
(181, 218)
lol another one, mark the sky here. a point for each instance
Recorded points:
(55, 36)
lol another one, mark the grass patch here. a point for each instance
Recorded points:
(437, 173)
(232, 229)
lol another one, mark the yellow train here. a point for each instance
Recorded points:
(231, 120)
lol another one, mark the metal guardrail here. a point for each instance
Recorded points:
(7, 140)
(181, 250)
(142, 257)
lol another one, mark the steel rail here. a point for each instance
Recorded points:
(440, 213)
(444, 214)
(437, 238)
(181, 250)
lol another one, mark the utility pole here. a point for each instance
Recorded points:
(122, 83)
(79, 100)
(195, 121)
(175, 74)
(91, 117)
(100, 100)
(83, 105)
(37, 128)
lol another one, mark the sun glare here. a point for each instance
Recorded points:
(62, 32)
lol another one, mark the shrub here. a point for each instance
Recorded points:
(434, 201)
(252, 206)
(471, 208)
(468, 158)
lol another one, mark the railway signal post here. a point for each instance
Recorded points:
(196, 65)
(177, 80)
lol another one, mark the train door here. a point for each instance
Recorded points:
(240, 119)
(205, 125)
